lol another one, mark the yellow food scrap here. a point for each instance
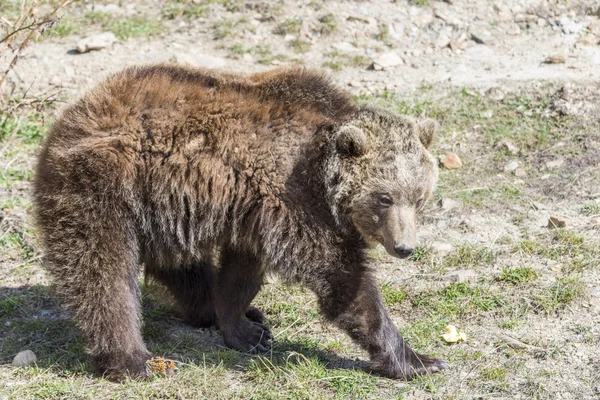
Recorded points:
(452, 335)
(158, 365)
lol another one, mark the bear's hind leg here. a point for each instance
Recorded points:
(238, 282)
(93, 257)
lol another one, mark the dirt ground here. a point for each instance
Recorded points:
(515, 87)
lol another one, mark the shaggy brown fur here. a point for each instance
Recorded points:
(209, 180)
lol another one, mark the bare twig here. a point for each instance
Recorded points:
(47, 20)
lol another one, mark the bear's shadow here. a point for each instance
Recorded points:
(31, 318)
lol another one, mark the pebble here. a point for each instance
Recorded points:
(452, 161)
(513, 30)
(520, 173)
(449, 204)
(511, 166)
(482, 38)
(509, 146)
(462, 275)
(96, 42)
(495, 94)
(558, 58)
(443, 40)
(387, 60)
(558, 222)
(24, 358)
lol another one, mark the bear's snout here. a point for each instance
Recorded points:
(403, 251)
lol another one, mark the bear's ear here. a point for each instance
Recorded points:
(427, 130)
(351, 141)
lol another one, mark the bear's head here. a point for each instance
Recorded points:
(379, 174)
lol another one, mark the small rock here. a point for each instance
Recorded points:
(588, 40)
(541, 22)
(387, 60)
(580, 352)
(558, 58)
(456, 45)
(452, 161)
(482, 38)
(441, 247)
(354, 84)
(569, 26)
(449, 204)
(511, 166)
(526, 18)
(96, 42)
(520, 173)
(443, 40)
(504, 11)
(558, 222)
(462, 275)
(509, 146)
(555, 163)
(513, 30)
(24, 358)
(495, 94)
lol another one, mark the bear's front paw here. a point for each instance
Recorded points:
(411, 365)
(247, 336)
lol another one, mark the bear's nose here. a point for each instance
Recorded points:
(403, 251)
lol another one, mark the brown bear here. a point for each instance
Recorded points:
(209, 180)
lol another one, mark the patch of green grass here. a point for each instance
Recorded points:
(518, 275)
(224, 29)
(421, 253)
(327, 24)
(590, 209)
(290, 26)
(125, 27)
(564, 291)
(469, 255)
(494, 374)
(510, 323)
(392, 296)
(66, 26)
(459, 299)
(182, 8)
(419, 3)
(306, 377)
(299, 45)
(9, 306)
(337, 61)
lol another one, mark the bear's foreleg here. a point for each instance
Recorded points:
(238, 281)
(349, 296)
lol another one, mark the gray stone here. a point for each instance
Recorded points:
(387, 60)
(511, 166)
(24, 358)
(449, 204)
(96, 42)
(558, 222)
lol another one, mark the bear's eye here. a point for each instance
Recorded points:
(420, 203)
(385, 201)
